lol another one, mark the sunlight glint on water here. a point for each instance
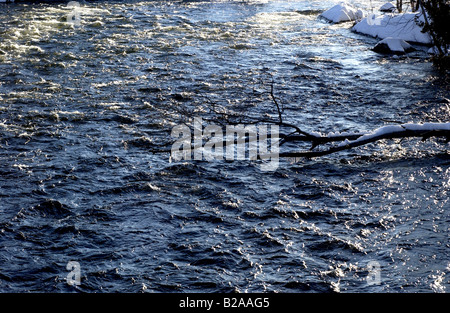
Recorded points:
(82, 106)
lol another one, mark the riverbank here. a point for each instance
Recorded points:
(395, 30)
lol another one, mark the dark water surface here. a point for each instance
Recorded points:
(82, 106)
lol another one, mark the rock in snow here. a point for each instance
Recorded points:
(387, 7)
(393, 45)
(342, 12)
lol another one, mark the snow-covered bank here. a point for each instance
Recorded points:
(397, 25)
(396, 30)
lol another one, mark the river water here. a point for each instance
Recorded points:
(83, 105)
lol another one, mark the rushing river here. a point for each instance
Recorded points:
(84, 103)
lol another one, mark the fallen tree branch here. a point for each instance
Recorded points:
(347, 140)
(289, 133)
(425, 131)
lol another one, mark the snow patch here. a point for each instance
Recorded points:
(389, 129)
(435, 50)
(392, 129)
(427, 126)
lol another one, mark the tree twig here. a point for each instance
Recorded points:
(280, 115)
